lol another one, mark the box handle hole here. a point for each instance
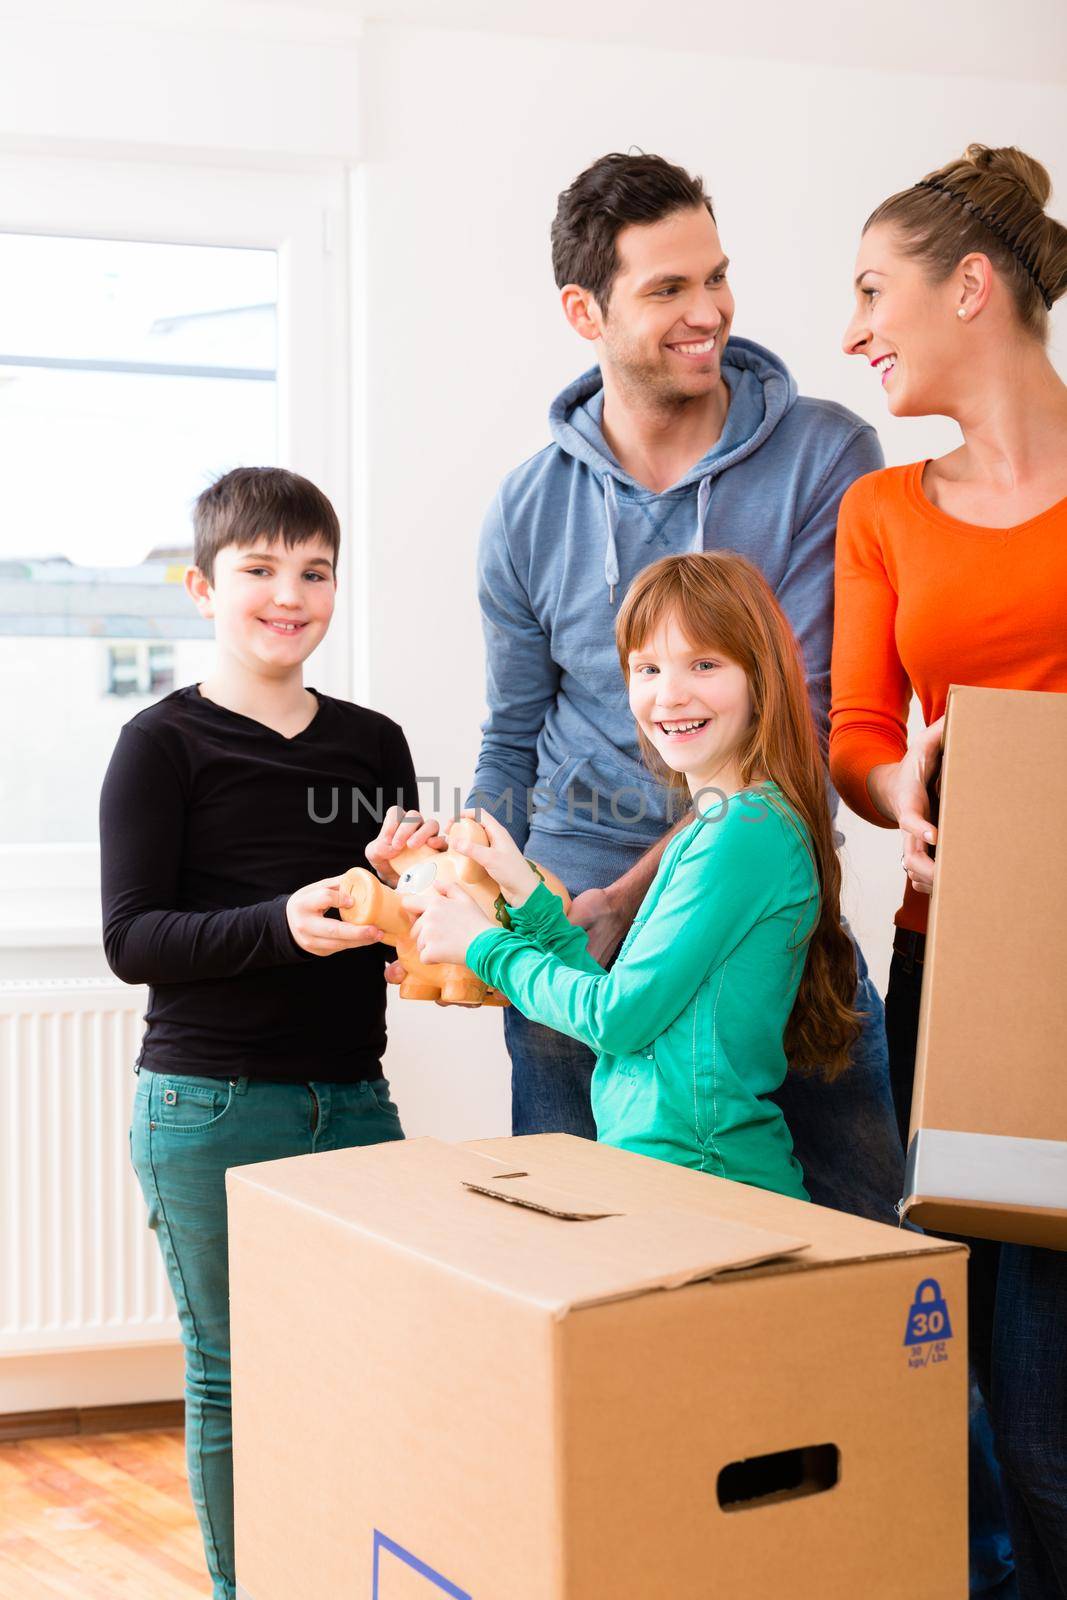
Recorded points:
(782, 1475)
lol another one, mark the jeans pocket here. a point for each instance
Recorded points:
(379, 1088)
(191, 1105)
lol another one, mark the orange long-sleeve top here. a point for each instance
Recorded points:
(923, 601)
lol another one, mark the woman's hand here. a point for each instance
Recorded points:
(898, 789)
(402, 830)
(501, 858)
(450, 919)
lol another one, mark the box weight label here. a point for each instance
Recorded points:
(929, 1326)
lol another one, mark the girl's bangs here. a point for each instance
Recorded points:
(703, 617)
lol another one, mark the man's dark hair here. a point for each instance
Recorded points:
(614, 192)
(269, 503)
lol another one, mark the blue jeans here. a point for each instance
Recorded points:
(1028, 1403)
(185, 1134)
(845, 1133)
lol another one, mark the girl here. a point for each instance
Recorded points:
(736, 966)
(955, 571)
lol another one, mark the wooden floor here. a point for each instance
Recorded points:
(99, 1517)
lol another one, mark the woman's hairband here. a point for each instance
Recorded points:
(995, 227)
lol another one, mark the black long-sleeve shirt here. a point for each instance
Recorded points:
(208, 823)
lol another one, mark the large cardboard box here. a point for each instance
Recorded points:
(987, 1150)
(545, 1369)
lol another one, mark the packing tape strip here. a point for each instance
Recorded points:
(987, 1166)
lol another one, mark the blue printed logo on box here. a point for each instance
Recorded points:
(390, 1557)
(929, 1325)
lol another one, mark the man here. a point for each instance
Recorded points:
(682, 439)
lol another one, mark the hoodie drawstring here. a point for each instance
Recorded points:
(703, 496)
(611, 550)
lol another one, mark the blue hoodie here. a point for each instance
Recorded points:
(567, 534)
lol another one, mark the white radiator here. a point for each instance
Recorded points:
(79, 1269)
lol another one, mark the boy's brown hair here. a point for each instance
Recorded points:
(253, 503)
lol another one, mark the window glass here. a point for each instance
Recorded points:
(131, 375)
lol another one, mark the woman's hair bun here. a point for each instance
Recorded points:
(1016, 166)
(989, 201)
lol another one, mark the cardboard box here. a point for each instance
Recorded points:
(546, 1369)
(987, 1151)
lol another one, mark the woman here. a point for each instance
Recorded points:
(955, 570)
(737, 965)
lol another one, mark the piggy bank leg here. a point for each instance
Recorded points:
(418, 989)
(459, 987)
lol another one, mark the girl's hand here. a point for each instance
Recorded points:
(449, 921)
(402, 830)
(501, 858)
(899, 790)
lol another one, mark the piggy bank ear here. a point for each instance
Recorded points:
(417, 878)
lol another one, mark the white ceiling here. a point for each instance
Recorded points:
(997, 39)
(987, 38)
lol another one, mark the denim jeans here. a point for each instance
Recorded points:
(186, 1132)
(844, 1133)
(1018, 1316)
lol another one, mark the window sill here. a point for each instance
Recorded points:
(49, 936)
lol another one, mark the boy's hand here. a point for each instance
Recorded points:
(320, 935)
(401, 830)
(450, 919)
(501, 858)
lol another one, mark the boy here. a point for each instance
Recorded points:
(228, 811)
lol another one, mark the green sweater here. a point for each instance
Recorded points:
(688, 1023)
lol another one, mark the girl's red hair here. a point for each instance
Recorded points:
(720, 600)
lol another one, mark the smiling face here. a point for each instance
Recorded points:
(271, 605)
(906, 326)
(670, 309)
(694, 706)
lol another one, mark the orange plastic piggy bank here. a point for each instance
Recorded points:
(376, 905)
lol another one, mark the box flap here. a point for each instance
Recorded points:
(644, 1250)
(585, 1222)
(519, 1189)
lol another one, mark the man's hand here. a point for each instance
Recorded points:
(604, 922)
(606, 914)
(898, 789)
(447, 923)
(501, 858)
(320, 935)
(402, 830)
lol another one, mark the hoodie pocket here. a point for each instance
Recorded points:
(593, 794)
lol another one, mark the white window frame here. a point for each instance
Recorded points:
(48, 893)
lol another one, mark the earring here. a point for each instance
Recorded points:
(961, 313)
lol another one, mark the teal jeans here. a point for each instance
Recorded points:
(186, 1133)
